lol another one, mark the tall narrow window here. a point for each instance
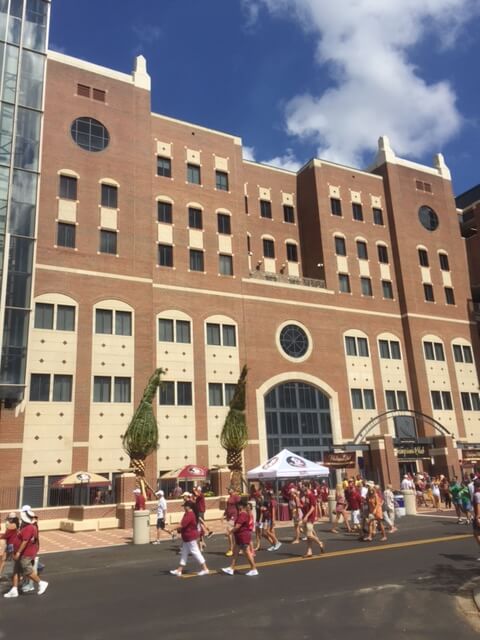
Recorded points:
(65, 318)
(382, 253)
(377, 216)
(265, 209)
(292, 252)
(387, 289)
(229, 335)
(164, 167)
(288, 213)
(215, 395)
(268, 248)
(340, 246)
(193, 174)
(357, 211)
(165, 330)
(221, 180)
(196, 260)
(336, 206)
(66, 235)
(164, 212)
(223, 224)
(68, 188)
(167, 393)
(102, 388)
(428, 293)
(362, 252)
(122, 389)
(444, 264)
(43, 316)
(344, 282)
(195, 218)
(184, 394)
(165, 255)
(183, 331)
(123, 323)
(103, 321)
(109, 196)
(213, 334)
(62, 388)
(449, 295)
(108, 242)
(366, 285)
(225, 265)
(423, 258)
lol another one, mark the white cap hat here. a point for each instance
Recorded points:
(137, 491)
(27, 516)
(159, 493)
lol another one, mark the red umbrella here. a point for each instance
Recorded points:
(189, 472)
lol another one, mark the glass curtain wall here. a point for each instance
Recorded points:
(23, 38)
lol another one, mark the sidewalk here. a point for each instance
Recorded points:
(57, 541)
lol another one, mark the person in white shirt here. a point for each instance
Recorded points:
(161, 517)
(407, 484)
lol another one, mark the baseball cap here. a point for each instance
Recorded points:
(159, 493)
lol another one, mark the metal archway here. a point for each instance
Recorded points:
(382, 417)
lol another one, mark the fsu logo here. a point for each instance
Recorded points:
(270, 462)
(83, 477)
(293, 461)
(195, 471)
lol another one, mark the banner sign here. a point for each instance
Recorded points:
(341, 460)
(470, 456)
(412, 452)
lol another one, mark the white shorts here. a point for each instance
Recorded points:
(356, 516)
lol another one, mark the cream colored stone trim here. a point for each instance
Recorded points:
(319, 163)
(88, 66)
(376, 201)
(11, 445)
(221, 164)
(287, 198)
(68, 172)
(109, 181)
(67, 210)
(164, 149)
(333, 192)
(269, 167)
(162, 198)
(234, 139)
(195, 205)
(296, 376)
(96, 274)
(224, 211)
(193, 156)
(279, 347)
(108, 218)
(264, 193)
(356, 196)
(164, 233)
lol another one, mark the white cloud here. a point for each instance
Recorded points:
(287, 161)
(366, 46)
(249, 153)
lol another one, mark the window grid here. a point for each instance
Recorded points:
(164, 167)
(108, 242)
(164, 212)
(366, 286)
(265, 209)
(357, 211)
(193, 174)
(344, 283)
(335, 207)
(377, 216)
(165, 255)
(68, 187)
(221, 180)
(197, 260)
(340, 246)
(288, 213)
(66, 235)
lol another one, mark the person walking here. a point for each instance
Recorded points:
(189, 531)
(340, 509)
(201, 508)
(297, 515)
(354, 502)
(309, 507)
(230, 515)
(375, 515)
(242, 533)
(476, 512)
(25, 555)
(161, 517)
(389, 508)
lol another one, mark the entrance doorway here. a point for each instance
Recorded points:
(407, 467)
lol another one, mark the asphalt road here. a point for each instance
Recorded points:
(404, 589)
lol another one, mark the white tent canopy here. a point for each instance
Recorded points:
(287, 465)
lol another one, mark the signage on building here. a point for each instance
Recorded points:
(341, 460)
(470, 456)
(412, 452)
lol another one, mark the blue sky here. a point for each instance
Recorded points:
(301, 78)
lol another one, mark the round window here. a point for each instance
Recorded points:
(294, 341)
(90, 134)
(428, 218)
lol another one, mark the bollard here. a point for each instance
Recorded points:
(332, 502)
(141, 527)
(410, 499)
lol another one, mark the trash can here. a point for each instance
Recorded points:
(399, 501)
(141, 527)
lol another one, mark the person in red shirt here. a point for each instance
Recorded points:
(25, 554)
(200, 509)
(230, 515)
(139, 500)
(242, 533)
(9, 541)
(189, 531)
(309, 516)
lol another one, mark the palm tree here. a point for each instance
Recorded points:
(234, 436)
(141, 437)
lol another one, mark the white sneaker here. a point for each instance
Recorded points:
(203, 572)
(28, 588)
(156, 542)
(272, 548)
(175, 572)
(13, 593)
(228, 570)
(252, 572)
(277, 546)
(42, 587)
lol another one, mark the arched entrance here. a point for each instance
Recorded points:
(297, 417)
(406, 423)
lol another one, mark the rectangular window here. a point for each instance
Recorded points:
(436, 400)
(395, 350)
(123, 323)
(340, 246)
(265, 209)
(183, 331)
(65, 318)
(402, 400)
(184, 394)
(102, 388)
(83, 90)
(108, 242)
(221, 180)
(466, 402)
(196, 260)
(457, 353)
(164, 212)
(357, 398)
(43, 316)
(357, 211)
(292, 252)
(447, 401)
(475, 401)
(103, 321)
(268, 248)
(387, 289)
(362, 347)
(229, 335)
(439, 354)
(165, 255)
(428, 350)
(344, 282)
(382, 253)
(62, 388)
(225, 265)
(384, 349)
(213, 334)
(66, 235)
(122, 389)
(444, 264)
(423, 258)
(167, 393)
(366, 285)
(467, 354)
(223, 224)
(193, 174)
(68, 188)
(39, 387)
(164, 167)
(428, 293)
(377, 216)
(229, 393)
(362, 252)
(350, 346)
(368, 399)
(195, 218)
(109, 196)
(288, 213)
(391, 400)
(99, 95)
(215, 398)
(165, 330)
(449, 295)
(336, 206)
